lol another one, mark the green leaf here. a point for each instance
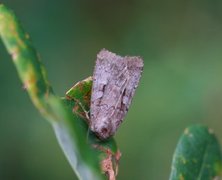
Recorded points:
(78, 101)
(79, 96)
(197, 155)
(26, 60)
(81, 92)
(72, 137)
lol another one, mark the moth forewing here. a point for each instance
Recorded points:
(114, 81)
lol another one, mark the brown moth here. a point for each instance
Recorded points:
(115, 80)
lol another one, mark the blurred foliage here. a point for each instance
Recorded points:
(197, 156)
(180, 42)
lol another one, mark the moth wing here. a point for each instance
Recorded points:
(105, 72)
(134, 71)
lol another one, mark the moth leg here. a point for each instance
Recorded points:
(87, 114)
(76, 110)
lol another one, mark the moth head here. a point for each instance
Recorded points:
(103, 130)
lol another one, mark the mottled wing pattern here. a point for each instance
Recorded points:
(115, 79)
(134, 70)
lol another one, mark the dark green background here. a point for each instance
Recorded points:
(181, 43)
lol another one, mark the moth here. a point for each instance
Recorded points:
(115, 80)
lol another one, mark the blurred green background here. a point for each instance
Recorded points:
(181, 43)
